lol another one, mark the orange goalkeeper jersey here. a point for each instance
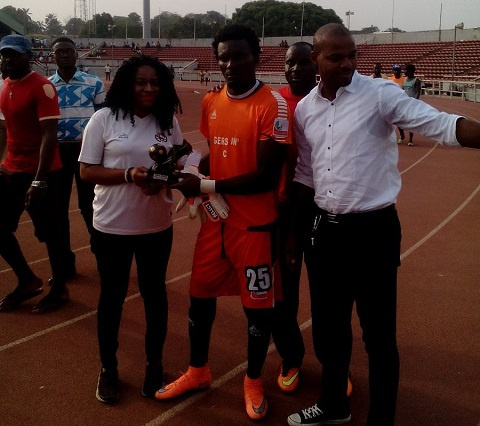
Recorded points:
(234, 127)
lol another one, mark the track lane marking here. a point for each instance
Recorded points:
(178, 408)
(416, 163)
(45, 259)
(442, 224)
(216, 384)
(77, 319)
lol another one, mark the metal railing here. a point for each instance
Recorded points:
(465, 90)
(216, 77)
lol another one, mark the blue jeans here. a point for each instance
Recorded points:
(114, 255)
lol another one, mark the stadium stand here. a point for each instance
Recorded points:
(433, 60)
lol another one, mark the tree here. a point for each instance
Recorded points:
(283, 18)
(367, 30)
(395, 30)
(127, 26)
(135, 25)
(26, 16)
(22, 16)
(167, 24)
(52, 25)
(182, 28)
(74, 26)
(98, 26)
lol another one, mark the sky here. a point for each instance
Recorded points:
(407, 15)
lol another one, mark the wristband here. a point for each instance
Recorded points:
(207, 186)
(127, 176)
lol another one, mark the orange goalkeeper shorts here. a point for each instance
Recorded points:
(230, 261)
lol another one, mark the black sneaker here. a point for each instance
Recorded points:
(153, 380)
(108, 389)
(314, 416)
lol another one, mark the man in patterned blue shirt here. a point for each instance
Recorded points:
(79, 95)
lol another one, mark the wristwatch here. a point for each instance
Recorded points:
(39, 184)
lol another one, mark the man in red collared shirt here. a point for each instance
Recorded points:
(29, 175)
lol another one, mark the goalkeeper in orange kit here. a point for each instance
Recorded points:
(235, 254)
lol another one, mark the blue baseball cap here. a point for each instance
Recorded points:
(16, 42)
(396, 67)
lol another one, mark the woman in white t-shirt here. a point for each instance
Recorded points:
(132, 214)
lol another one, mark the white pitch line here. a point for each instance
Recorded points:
(74, 320)
(419, 160)
(33, 262)
(202, 142)
(169, 414)
(440, 226)
(178, 408)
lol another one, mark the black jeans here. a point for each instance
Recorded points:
(69, 152)
(356, 260)
(45, 215)
(114, 255)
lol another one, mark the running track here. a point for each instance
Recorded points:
(49, 363)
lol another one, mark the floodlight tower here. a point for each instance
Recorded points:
(147, 33)
(80, 10)
(349, 13)
(91, 17)
(459, 26)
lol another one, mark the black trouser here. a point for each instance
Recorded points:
(285, 329)
(114, 255)
(356, 260)
(69, 152)
(45, 215)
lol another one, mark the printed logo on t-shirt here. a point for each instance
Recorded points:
(123, 136)
(280, 127)
(160, 137)
(213, 115)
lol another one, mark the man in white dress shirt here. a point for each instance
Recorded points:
(345, 130)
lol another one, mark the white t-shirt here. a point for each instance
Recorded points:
(115, 144)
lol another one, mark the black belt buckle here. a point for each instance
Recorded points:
(332, 218)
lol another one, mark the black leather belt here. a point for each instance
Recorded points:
(325, 216)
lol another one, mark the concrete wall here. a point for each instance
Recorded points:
(377, 38)
(418, 36)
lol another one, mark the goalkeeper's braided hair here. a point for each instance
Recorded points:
(121, 96)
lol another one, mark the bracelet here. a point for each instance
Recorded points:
(128, 177)
(39, 184)
(207, 186)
